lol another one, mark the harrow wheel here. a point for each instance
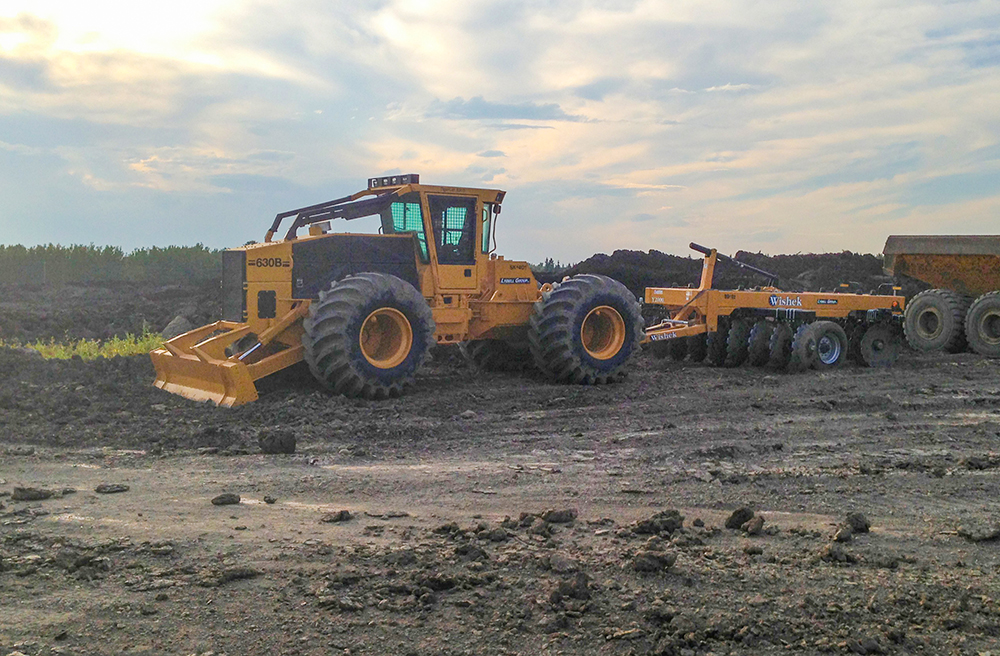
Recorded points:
(780, 347)
(585, 330)
(759, 343)
(737, 343)
(880, 346)
(804, 353)
(715, 344)
(678, 349)
(831, 345)
(367, 336)
(697, 347)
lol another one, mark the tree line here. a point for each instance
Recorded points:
(55, 264)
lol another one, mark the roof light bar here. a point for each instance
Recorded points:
(393, 180)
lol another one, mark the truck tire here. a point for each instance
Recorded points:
(585, 330)
(803, 353)
(738, 343)
(879, 346)
(367, 336)
(832, 345)
(933, 320)
(982, 325)
(496, 354)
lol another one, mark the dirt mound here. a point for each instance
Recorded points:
(804, 272)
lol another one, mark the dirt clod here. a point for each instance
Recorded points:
(739, 517)
(564, 516)
(274, 441)
(858, 522)
(226, 499)
(30, 494)
(337, 517)
(111, 488)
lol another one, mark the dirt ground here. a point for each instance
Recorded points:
(501, 514)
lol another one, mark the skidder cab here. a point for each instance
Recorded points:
(363, 310)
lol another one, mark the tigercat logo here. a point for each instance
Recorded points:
(785, 301)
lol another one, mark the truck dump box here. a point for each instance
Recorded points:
(967, 264)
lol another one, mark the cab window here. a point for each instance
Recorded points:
(453, 220)
(487, 216)
(404, 216)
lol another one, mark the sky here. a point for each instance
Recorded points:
(761, 125)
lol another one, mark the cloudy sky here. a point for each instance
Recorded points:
(765, 125)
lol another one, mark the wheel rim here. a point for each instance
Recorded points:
(829, 349)
(929, 323)
(989, 327)
(602, 332)
(386, 338)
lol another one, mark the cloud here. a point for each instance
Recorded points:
(479, 109)
(792, 126)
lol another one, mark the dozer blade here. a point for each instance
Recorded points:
(225, 382)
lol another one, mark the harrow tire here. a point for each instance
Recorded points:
(832, 345)
(697, 347)
(497, 354)
(880, 346)
(780, 347)
(585, 330)
(737, 343)
(759, 343)
(982, 325)
(803, 354)
(678, 349)
(933, 320)
(367, 336)
(715, 344)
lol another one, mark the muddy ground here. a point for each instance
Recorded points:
(447, 546)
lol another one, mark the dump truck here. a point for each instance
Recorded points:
(364, 310)
(962, 309)
(769, 326)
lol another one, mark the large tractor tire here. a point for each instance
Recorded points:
(832, 345)
(879, 346)
(697, 347)
(759, 343)
(738, 343)
(933, 320)
(780, 347)
(367, 336)
(497, 354)
(982, 325)
(585, 330)
(804, 352)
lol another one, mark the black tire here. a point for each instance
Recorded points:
(738, 343)
(678, 349)
(880, 346)
(715, 345)
(497, 354)
(933, 320)
(803, 355)
(660, 348)
(375, 304)
(855, 333)
(697, 347)
(780, 347)
(759, 343)
(585, 330)
(982, 325)
(832, 345)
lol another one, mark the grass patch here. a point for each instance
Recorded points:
(91, 349)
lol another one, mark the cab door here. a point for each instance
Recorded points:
(453, 223)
